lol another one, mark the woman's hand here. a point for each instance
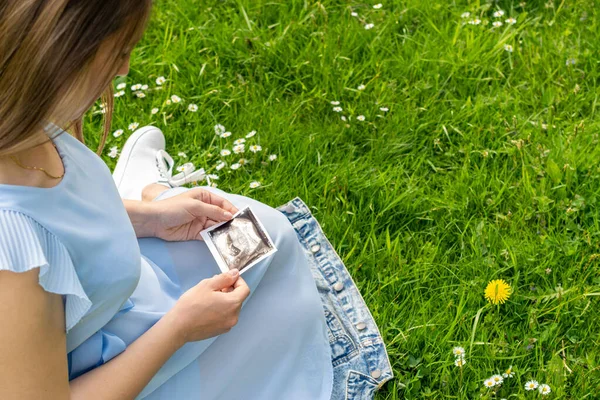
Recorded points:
(184, 216)
(210, 308)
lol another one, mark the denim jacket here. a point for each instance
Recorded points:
(360, 360)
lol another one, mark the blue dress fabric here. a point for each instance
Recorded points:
(115, 287)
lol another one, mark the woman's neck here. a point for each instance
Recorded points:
(43, 156)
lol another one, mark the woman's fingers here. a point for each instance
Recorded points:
(210, 198)
(203, 210)
(241, 289)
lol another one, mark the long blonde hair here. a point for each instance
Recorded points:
(47, 48)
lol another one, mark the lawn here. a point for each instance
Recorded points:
(462, 152)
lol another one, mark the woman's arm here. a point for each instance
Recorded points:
(125, 376)
(33, 362)
(142, 216)
(34, 365)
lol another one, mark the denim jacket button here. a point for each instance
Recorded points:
(376, 374)
(361, 326)
(315, 248)
(338, 286)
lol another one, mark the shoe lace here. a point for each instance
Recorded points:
(165, 164)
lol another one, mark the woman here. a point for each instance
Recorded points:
(87, 311)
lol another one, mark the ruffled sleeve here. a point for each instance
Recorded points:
(25, 245)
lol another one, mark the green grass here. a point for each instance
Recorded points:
(485, 167)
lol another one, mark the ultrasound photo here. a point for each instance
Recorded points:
(239, 243)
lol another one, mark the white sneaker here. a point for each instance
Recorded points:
(136, 167)
(144, 161)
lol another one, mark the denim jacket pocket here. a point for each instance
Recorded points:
(343, 348)
(360, 386)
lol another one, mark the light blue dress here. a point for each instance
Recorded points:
(116, 287)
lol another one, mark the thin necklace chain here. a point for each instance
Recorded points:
(48, 174)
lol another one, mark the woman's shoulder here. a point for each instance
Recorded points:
(25, 245)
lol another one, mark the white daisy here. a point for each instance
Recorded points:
(360, 118)
(187, 167)
(193, 107)
(354, 14)
(254, 185)
(235, 166)
(243, 161)
(384, 109)
(511, 21)
(497, 24)
(531, 385)
(118, 132)
(140, 95)
(175, 99)
(239, 141)
(225, 134)
(458, 351)
(509, 373)
(460, 362)
(498, 14)
(136, 87)
(221, 165)
(225, 152)
(343, 118)
(544, 389)
(240, 148)
(337, 109)
(213, 184)
(488, 383)
(114, 152)
(168, 102)
(273, 157)
(182, 154)
(133, 126)
(155, 111)
(361, 87)
(219, 129)
(497, 379)
(120, 93)
(144, 87)
(378, 6)
(213, 176)
(508, 48)
(249, 135)
(369, 26)
(475, 21)
(121, 86)
(160, 80)
(335, 103)
(465, 15)
(255, 148)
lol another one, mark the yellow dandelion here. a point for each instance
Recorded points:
(497, 291)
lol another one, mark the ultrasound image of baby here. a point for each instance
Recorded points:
(240, 241)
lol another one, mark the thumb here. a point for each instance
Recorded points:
(224, 280)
